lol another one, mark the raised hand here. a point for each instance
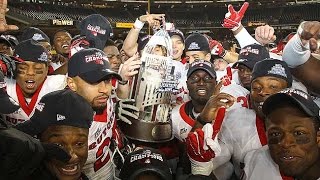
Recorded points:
(309, 32)
(130, 67)
(233, 18)
(217, 48)
(3, 23)
(265, 34)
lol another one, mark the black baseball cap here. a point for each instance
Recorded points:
(142, 42)
(5, 40)
(97, 30)
(294, 97)
(272, 67)
(30, 50)
(203, 65)
(176, 32)
(145, 160)
(91, 65)
(63, 107)
(250, 55)
(7, 104)
(12, 39)
(197, 42)
(35, 34)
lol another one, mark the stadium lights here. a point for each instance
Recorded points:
(169, 2)
(198, 2)
(225, 1)
(133, 1)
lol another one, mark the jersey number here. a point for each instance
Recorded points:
(102, 156)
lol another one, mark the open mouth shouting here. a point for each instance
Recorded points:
(30, 84)
(70, 169)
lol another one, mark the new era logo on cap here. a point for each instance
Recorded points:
(3, 85)
(278, 69)
(60, 117)
(95, 30)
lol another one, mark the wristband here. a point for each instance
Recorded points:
(138, 24)
(123, 82)
(201, 121)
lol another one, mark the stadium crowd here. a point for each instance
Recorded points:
(160, 107)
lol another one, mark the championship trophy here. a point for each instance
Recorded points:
(152, 90)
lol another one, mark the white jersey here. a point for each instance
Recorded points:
(262, 167)
(27, 105)
(241, 130)
(181, 122)
(98, 165)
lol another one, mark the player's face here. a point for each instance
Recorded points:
(244, 76)
(201, 86)
(113, 55)
(159, 50)
(196, 55)
(178, 47)
(6, 49)
(61, 42)
(74, 141)
(293, 140)
(30, 75)
(220, 64)
(96, 94)
(262, 88)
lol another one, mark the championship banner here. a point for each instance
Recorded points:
(59, 22)
(152, 90)
(124, 25)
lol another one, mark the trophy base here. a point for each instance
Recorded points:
(147, 131)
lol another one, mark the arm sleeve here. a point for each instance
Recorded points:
(244, 38)
(295, 53)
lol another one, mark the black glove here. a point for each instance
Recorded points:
(21, 154)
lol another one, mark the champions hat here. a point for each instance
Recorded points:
(272, 67)
(30, 50)
(35, 34)
(250, 55)
(202, 65)
(91, 65)
(63, 107)
(7, 104)
(145, 160)
(197, 42)
(97, 30)
(142, 42)
(294, 97)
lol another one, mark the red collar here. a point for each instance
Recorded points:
(27, 108)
